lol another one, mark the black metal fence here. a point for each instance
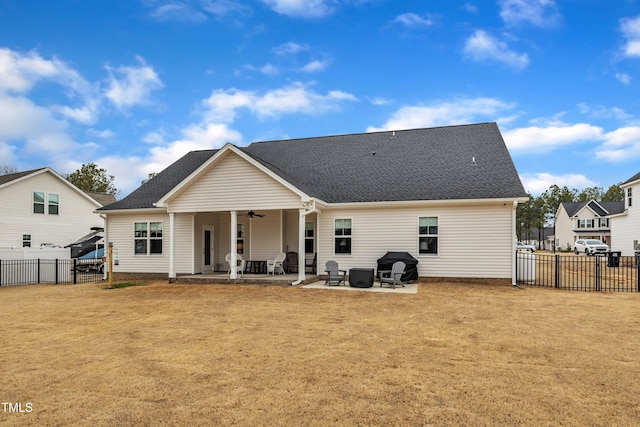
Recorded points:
(15, 272)
(610, 273)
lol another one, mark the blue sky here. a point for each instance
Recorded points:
(132, 85)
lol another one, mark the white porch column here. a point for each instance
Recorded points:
(172, 247)
(234, 251)
(301, 257)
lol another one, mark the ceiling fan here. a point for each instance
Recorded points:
(252, 214)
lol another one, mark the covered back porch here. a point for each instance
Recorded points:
(248, 238)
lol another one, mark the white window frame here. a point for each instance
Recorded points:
(148, 238)
(584, 222)
(311, 237)
(337, 236)
(429, 235)
(604, 222)
(53, 203)
(26, 240)
(38, 203)
(240, 235)
(629, 198)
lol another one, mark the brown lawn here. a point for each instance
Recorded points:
(454, 354)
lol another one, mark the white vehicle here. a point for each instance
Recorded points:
(590, 247)
(522, 247)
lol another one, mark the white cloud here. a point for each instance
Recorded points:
(413, 20)
(471, 8)
(302, 8)
(222, 105)
(379, 101)
(542, 139)
(541, 13)
(481, 46)
(620, 145)
(179, 12)
(315, 67)
(459, 111)
(538, 183)
(601, 112)
(191, 11)
(132, 85)
(623, 78)
(630, 28)
(289, 48)
(269, 69)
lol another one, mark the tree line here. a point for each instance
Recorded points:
(538, 212)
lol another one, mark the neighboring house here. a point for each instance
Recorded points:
(625, 226)
(584, 220)
(541, 239)
(446, 195)
(40, 207)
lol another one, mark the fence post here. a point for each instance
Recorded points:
(638, 270)
(56, 268)
(557, 275)
(517, 262)
(0, 272)
(598, 271)
(75, 271)
(38, 270)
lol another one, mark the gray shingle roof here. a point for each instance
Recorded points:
(612, 208)
(154, 189)
(13, 176)
(418, 164)
(633, 178)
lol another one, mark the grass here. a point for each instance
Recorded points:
(454, 354)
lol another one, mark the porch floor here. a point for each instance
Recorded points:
(246, 278)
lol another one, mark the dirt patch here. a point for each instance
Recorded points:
(251, 355)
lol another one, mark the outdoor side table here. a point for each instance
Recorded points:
(361, 277)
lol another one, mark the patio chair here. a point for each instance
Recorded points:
(311, 264)
(275, 265)
(393, 277)
(334, 274)
(239, 267)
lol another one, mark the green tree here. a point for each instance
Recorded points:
(590, 193)
(553, 197)
(93, 179)
(530, 216)
(613, 194)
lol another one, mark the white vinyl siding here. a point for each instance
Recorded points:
(474, 241)
(234, 184)
(74, 219)
(625, 229)
(120, 233)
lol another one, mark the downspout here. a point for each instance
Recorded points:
(514, 237)
(303, 212)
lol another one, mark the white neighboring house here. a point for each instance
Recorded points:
(39, 207)
(446, 195)
(585, 220)
(625, 227)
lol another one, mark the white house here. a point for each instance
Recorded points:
(625, 227)
(446, 195)
(585, 220)
(40, 207)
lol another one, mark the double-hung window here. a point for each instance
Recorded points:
(38, 202)
(342, 236)
(54, 204)
(26, 240)
(148, 238)
(586, 223)
(629, 197)
(309, 228)
(428, 235)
